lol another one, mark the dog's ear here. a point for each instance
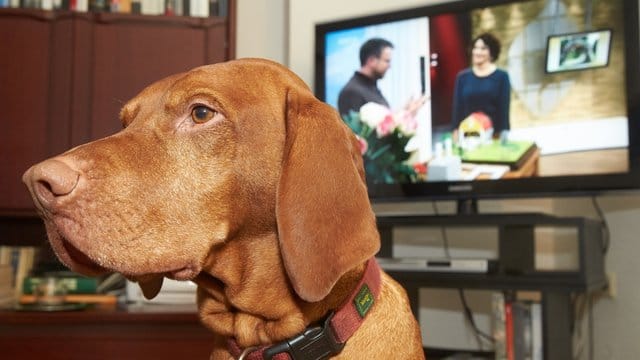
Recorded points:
(325, 222)
(150, 286)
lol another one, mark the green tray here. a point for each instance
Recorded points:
(513, 153)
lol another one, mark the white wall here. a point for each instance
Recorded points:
(283, 30)
(261, 30)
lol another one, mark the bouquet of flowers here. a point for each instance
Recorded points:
(384, 137)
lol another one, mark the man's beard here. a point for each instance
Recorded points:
(377, 75)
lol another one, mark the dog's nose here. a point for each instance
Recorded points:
(50, 179)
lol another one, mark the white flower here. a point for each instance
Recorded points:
(373, 114)
(420, 143)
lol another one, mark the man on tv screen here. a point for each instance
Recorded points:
(375, 61)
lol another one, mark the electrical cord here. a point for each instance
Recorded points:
(583, 344)
(591, 338)
(443, 232)
(463, 300)
(469, 315)
(606, 234)
(606, 243)
(579, 304)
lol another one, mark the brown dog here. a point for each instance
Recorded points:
(233, 175)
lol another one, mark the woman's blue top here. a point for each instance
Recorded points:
(489, 94)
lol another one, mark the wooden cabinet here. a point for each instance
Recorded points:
(130, 332)
(64, 77)
(34, 97)
(128, 53)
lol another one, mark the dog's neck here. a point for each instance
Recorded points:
(249, 298)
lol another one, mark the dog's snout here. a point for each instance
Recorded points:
(50, 179)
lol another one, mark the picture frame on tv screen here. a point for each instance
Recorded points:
(578, 51)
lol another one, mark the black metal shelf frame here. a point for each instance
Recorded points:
(516, 266)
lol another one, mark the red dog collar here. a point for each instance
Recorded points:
(320, 342)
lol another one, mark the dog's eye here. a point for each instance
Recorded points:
(202, 114)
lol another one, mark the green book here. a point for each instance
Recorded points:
(73, 284)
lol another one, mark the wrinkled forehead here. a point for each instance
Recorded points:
(232, 86)
(152, 92)
(238, 83)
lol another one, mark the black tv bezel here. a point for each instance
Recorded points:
(548, 51)
(554, 186)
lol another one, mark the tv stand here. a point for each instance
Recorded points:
(516, 266)
(467, 206)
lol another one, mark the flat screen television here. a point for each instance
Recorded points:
(569, 132)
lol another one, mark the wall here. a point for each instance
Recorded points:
(262, 32)
(261, 29)
(616, 320)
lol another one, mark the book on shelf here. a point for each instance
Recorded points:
(16, 263)
(508, 328)
(191, 8)
(499, 326)
(71, 287)
(198, 8)
(120, 6)
(136, 7)
(6, 254)
(6, 297)
(521, 312)
(517, 327)
(9, 257)
(536, 331)
(222, 7)
(213, 7)
(107, 299)
(98, 5)
(79, 5)
(6, 284)
(152, 7)
(6, 276)
(73, 284)
(26, 260)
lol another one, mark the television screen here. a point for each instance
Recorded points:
(474, 99)
(584, 50)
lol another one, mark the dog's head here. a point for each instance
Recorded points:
(231, 148)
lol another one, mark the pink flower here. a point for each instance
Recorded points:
(407, 123)
(364, 146)
(386, 126)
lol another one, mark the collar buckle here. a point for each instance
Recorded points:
(316, 343)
